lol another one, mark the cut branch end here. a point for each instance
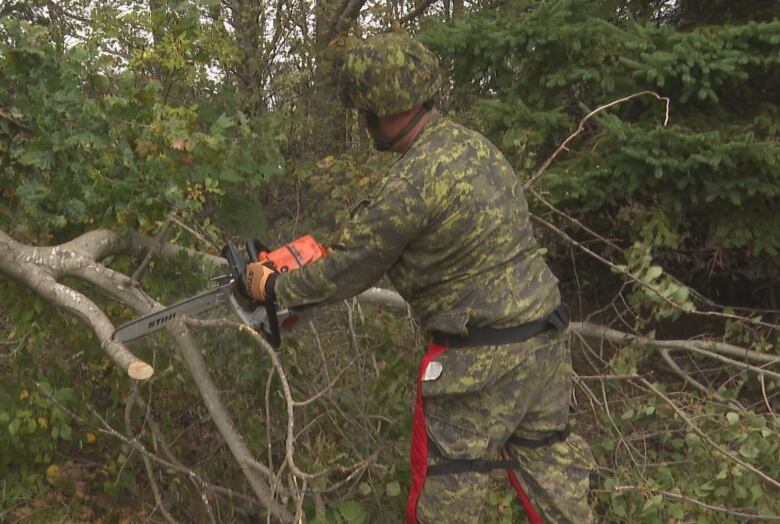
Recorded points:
(140, 370)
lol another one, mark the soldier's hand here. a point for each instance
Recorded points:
(257, 280)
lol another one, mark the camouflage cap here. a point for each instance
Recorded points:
(389, 74)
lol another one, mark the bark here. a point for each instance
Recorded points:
(333, 20)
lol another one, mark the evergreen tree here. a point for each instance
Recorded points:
(706, 184)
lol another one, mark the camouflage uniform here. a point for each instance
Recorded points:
(450, 227)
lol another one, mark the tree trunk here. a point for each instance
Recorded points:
(326, 110)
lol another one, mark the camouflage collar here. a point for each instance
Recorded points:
(431, 125)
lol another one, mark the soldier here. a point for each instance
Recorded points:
(450, 227)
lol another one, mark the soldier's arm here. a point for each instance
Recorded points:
(370, 244)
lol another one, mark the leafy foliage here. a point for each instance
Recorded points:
(89, 146)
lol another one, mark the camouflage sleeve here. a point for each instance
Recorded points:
(370, 244)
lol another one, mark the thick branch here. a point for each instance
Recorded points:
(38, 268)
(348, 15)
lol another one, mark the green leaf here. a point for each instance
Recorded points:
(393, 489)
(653, 272)
(352, 512)
(221, 124)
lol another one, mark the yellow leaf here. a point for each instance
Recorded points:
(91, 437)
(43, 422)
(24, 394)
(52, 472)
(144, 148)
(180, 144)
(326, 162)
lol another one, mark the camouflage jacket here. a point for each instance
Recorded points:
(450, 227)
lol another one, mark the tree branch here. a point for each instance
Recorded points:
(38, 268)
(581, 127)
(417, 11)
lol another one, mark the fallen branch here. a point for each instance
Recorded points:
(286, 391)
(38, 268)
(710, 349)
(698, 385)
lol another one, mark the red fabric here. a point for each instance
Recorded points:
(419, 448)
(530, 512)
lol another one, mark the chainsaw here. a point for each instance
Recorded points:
(231, 290)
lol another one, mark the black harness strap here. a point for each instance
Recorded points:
(549, 440)
(477, 336)
(469, 466)
(486, 466)
(557, 320)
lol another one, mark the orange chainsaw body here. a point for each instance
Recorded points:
(297, 253)
(289, 257)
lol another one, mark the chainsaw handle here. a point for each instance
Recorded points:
(254, 247)
(237, 266)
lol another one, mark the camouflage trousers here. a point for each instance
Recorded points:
(483, 397)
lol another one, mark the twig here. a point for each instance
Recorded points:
(706, 438)
(155, 245)
(581, 127)
(107, 429)
(322, 352)
(299, 504)
(608, 377)
(698, 385)
(644, 284)
(707, 348)
(287, 393)
(194, 233)
(269, 446)
(147, 462)
(299, 403)
(677, 496)
(766, 399)
(200, 485)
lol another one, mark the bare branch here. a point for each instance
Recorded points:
(707, 439)
(698, 385)
(587, 329)
(417, 11)
(219, 414)
(677, 496)
(581, 127)
(157, 240)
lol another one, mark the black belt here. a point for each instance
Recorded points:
(478, 336)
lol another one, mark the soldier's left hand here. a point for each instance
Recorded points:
(257, 280)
